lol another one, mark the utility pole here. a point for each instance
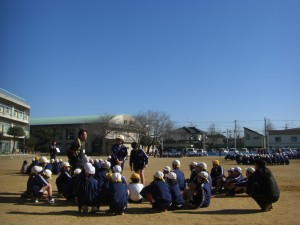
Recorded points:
(234, 134)
(227, 139)
(265, 139)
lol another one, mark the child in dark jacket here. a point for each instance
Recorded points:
(117, 195)
(202, 195)
(68, 189)
(63, 178)
(177, 199)
(158, 193)
(101, 176)
(88, 191)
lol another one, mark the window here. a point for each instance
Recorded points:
(7, 111)
(277, 139)
(294, 139)
(247, 137)
(256, 138)
(20, 115)
(183, 137)
(125, 122)
(71, 134)
(1, 109)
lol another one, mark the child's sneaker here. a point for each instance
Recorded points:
(51, 201)
(36, 200)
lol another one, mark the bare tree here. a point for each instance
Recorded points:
(269, 125)
(211, 129)
(153, 126)
(100, 128)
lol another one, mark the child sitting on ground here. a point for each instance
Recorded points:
(135, 188)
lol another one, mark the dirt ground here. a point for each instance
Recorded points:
(223, 210)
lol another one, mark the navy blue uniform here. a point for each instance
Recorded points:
(160, 192)
(216, 173)
(180, 178)
(37, 184)
(88, 192)
(68, 189)
(100, 176)
(56, 168)
(62, 179)
(177, 199)
(117, 197)
(201, 197)
(138, 159)
(118, 152)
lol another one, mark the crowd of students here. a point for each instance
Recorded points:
(97, 184)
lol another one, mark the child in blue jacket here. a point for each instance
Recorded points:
(88, 191)
(158, 193)
(117, 195)
(202, 195)
(63, 178)
(177, 199)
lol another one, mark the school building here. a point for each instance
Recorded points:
(14, 111)
(100, 136)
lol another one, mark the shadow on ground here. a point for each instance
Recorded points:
(221, 212)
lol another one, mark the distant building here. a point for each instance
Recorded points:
(289, 138)
(14, 111)
(253, 139)
(65, 130)
(216, 140)
(186, 137)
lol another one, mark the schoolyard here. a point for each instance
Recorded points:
(223, 210)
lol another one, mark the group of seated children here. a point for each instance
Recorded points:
(98, 184)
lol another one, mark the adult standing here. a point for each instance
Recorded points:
(262, 187)
(119, 152)
(138, 160)
(53, 150)
(76, 152)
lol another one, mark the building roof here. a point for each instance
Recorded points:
(12, 98)
(252, 131)
(66, 120)
(285, 132)
(189, 130)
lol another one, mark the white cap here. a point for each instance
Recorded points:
(77, 171)
(36, 169)
(43, 159)
(159, 175)
(176, 162)
(250, 169)
(117, 177)
(89, 169)
(193, 164)
(167, 168)
(171, 176)
(48, 173)
(106, 164)
(202, 165)
(238, 169)
(117, 169)
(203, 174)
(120, 137)
(66, 164)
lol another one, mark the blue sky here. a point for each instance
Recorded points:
(199, 61)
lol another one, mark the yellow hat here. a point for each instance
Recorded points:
(216, 162)
(36, 158)
(135, 176)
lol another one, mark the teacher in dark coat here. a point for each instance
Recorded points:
(262, 186)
